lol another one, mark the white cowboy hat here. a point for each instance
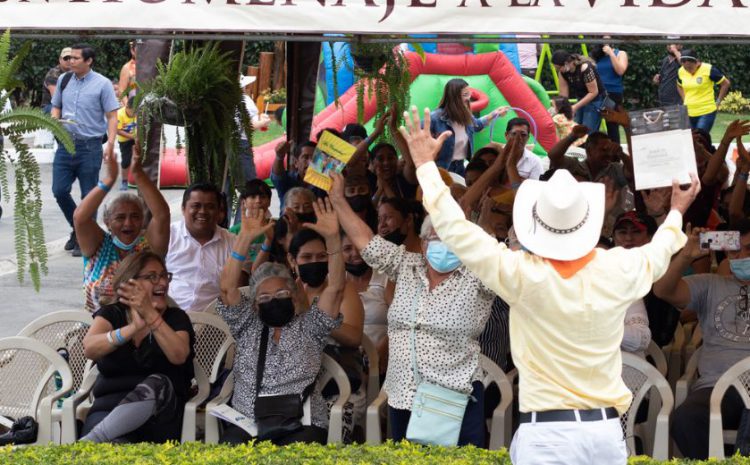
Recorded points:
(246, 81)
(561, 218)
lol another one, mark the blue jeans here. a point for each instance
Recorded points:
(705, 122)
(590, 116)
(472, 428)
(84, 166)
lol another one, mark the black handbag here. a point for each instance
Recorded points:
(279, 415)
(23, 431)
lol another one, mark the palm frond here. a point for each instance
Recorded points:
(27, 119)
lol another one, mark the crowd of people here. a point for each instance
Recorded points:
(435, 250)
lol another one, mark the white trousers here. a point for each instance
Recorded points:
(569, 443)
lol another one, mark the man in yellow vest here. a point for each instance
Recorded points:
(695, 84)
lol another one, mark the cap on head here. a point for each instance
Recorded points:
(66, 52)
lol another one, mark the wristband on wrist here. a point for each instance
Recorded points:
(238, 256)
(265, 248)
(103, 186)
(109, 338)
(743, 176)
(120, 339)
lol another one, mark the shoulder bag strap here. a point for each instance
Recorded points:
(413, 338)
(261, 359)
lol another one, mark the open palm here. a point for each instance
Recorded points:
(327, 224)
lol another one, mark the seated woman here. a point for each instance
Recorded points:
(144, 352)
(295, 335)
(124, 216)
(452, 308)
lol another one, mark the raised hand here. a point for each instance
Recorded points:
(380, 124)
(255, 223)
(579, 131)
(327, 224)
(736, 128)
(657, 200)
(422, 146)
(619, 116)
(336, 194)
(682, 199)
(513, 151)
(113, 168)
(692, 249)
(282, 148)
(132, 294)
(611, 194)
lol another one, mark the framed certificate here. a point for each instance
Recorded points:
(662, 147)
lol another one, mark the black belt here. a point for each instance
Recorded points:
(570, 415)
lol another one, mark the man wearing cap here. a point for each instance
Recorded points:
(87, 106)
(567, 302)
(695, 84)
(50, 79)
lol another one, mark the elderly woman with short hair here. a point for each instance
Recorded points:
(125, 217)
(275, 313)
(452, 308)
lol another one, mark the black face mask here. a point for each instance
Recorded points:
(276, 312)
(313, 274)
(359, 202)
(307, 217)
(397, 237)
(357, 269)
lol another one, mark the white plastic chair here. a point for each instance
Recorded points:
(501, 424)
(688, 378)
(656, 355)
(212, 342)
(641, 378)
(373, 373)
(737, 376)
(694, 342)
(64, 329)
(27, 366)
(330, 370)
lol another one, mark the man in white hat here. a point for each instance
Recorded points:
(567, 302)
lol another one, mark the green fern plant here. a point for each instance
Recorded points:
(201, 82)
(31, 251)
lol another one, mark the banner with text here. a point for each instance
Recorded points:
(590, 17)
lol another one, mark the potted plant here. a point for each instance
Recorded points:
(382, 72)
(199, 89)
(271, 100)
(31, 251)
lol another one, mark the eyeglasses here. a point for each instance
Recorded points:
(156, 277)
(67, 58)
(265, 298)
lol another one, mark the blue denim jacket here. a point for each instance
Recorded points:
(439, 124)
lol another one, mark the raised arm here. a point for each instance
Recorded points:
(492, 174)
(671, 287)
(282, 149)
(327, 226)
(357, 230)
(254, 224)
(557, 153)
(157, 232)
(737, 202)
(716, 170)
(88, 232)
(619, 61)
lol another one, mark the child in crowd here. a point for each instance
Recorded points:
(126, 123)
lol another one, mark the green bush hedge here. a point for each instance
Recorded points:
(268, 454)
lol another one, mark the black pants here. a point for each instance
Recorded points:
(613, 130)
(308, 434)
(690, 422)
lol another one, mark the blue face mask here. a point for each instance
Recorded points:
(123, 246)
(441, 259)
(740, 268)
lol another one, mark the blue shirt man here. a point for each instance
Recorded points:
(88, 107)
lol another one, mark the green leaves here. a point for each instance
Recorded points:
(31, 251)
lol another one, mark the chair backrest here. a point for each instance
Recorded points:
(642, 377)
(655, 355)
(63, 330)
(26, 367)
(373, 368)
(331, 370)
(737, 376)
(212, 341)
(500, 425)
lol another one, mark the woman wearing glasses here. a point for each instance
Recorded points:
(275, 314)
(124, 216)
(144, 352)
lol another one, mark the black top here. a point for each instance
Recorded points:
(668, 94)
(120, 371)
(579, 77)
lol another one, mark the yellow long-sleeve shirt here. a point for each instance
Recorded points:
(565, 334)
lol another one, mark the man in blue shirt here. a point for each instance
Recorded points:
(284, 180)
(86, 104)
